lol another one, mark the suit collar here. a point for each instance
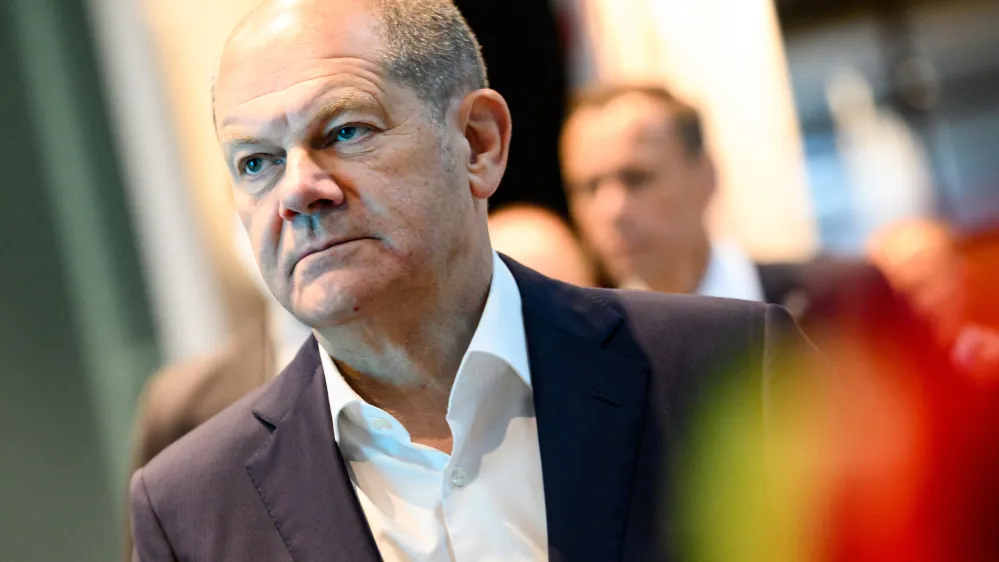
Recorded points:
(299, 472)
(590, 380)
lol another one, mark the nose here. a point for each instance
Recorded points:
(309, 189)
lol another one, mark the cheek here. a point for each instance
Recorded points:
(425, 205)
(593, 225)
(396, 208)
(661, 208)
(265, 227)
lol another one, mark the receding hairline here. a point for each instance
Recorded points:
(403, 54)
(684, 119)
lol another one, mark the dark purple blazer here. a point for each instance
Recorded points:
(619, 379)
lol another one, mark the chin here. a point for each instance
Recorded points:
(338, 297)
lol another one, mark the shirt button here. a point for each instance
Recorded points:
(459, 477)
(381, 424)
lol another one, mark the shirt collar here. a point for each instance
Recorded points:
(730, 274)
(340, 394)
(500, 333)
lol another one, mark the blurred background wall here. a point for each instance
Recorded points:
(77, 329)
(830, 118)
(899, 108)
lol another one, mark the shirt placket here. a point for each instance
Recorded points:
(456, 478)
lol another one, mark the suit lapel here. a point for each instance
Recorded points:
(590, 405)
(299, 472)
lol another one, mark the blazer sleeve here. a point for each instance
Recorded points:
(150, 543)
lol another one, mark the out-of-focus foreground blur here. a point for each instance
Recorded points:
(863, 128)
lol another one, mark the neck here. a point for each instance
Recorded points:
(685, 274)
(404, 359)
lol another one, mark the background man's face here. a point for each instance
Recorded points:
(636, 195)
(345, 184)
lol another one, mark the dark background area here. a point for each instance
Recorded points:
(521, 45)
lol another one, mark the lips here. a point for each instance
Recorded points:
(315, 249)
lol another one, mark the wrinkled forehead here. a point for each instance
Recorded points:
(278, 49)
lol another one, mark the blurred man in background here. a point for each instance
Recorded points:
(639, 180)
(542, 241)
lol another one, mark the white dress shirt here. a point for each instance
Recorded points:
(483, 502)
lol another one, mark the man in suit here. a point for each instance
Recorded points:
(639, 180)
(453, 405)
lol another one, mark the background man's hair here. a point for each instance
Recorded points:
(685, 118)
(430, 49)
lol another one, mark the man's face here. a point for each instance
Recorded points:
(349, 190)
(636, 195)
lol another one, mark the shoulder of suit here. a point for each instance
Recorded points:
(652, 306)
(672, 326)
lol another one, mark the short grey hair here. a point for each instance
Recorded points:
(430, 48)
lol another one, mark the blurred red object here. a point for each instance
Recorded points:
(917, 477)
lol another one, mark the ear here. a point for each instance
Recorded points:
(486, 125)
(707, 178)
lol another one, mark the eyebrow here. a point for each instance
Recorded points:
(351, 101)
(344, 104)
(242, 141)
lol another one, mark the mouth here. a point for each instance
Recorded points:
(329, 245)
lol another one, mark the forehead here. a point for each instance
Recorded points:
(278, 60)
(628, 128)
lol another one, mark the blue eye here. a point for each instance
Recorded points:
(253, 166)
(346, 133)
(349, 133)
(257, 165)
